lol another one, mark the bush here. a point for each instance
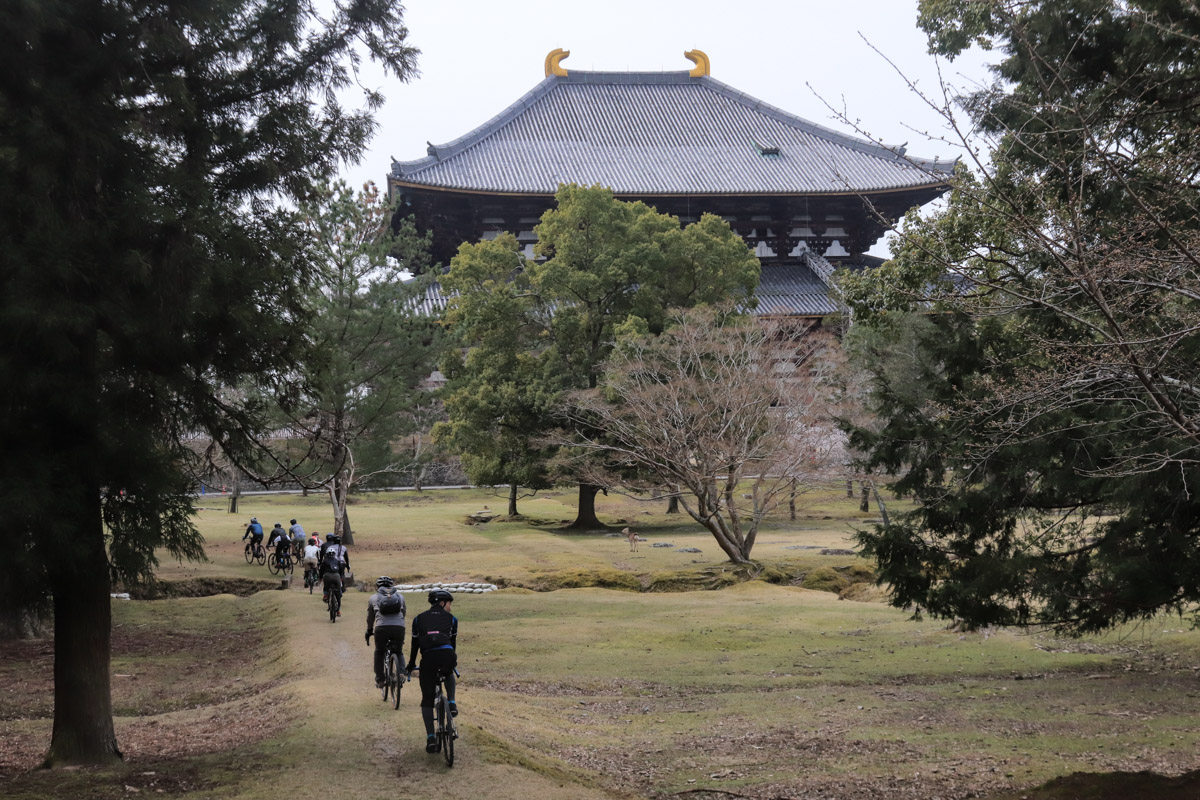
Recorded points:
(825, 579)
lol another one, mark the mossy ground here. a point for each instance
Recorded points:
(622, 687)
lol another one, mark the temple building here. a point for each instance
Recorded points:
(806, 198)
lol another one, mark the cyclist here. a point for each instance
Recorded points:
(326, 545)
(333, 566)
(298, 537)
(277, 533)
(283, 547)
(435, 634)
(312, 556)
(255, 532)
(385, 619)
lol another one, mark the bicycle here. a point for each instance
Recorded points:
(391, 675)
(334, 603)
(255, 552)
(310, 578)
(281, 563)
(447, 729)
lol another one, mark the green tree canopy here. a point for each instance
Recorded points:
(373, 348)
(543, 326)
(150, 258)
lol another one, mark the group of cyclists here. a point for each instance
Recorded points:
(434, 632)
(286, 543)
(434, 637)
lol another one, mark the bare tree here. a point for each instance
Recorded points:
(718, 406)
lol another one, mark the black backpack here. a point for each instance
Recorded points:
(390, 603)
(333, 560)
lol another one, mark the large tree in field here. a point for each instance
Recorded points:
(719, 405)
(497, 393)
(150, 154)
(365, 390)
(1052, 435)
(605, 261)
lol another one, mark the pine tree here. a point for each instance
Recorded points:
(1052, 443)
(151, 154)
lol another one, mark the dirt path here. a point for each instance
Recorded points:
(373, 749)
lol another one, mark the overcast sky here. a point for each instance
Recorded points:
(480, 56)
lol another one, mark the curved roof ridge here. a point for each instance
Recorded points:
(439, 151)
(894, 153)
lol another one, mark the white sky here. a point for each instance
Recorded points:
(480, 56)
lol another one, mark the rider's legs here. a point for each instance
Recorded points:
(432, 663)
(383, 635)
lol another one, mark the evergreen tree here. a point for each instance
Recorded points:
(149, 258)
(375, 348)
(1052, 442)
(497, 394)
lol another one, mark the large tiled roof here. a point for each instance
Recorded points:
(660, 134)
(794, 290)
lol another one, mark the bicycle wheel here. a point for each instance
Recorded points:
(273, 564)
(260, 555)
(446, 731)
(396, 681)
(335, 603)
(289, 565)
(249, 553)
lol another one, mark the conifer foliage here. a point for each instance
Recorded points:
(151, 153)
(1046, 418)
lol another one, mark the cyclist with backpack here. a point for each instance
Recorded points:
(385, 620)
(435, 634)
(283, 547)
(334, 561)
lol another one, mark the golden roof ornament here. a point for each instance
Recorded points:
(552, 65)
(698, 58)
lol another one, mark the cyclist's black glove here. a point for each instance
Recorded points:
(410, 667)
(368, 637)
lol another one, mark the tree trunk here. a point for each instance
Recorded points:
(849, 487)
(585, 519)
(339, 496)
(792, 502)
(83, 723)
(864, 504)
(233, 499)
(512, 500)
(673, 503)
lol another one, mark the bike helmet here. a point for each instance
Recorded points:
(337, 540)
(312, 540)
(278, 524)
(293, 522)
(382, 581)
(438, 595)
(254, 519)
(329, 537)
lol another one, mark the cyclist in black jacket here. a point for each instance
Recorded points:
(435, 634)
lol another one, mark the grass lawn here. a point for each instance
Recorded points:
(762, 690)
